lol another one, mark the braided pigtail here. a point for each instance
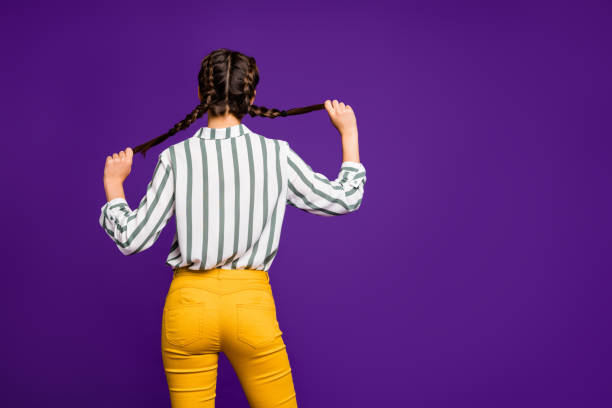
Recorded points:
(183, 124)
(274, 113)
(205, 75)
(251, 80)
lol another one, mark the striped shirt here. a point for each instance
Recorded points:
(228, 188)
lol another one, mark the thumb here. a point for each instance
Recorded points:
(328, 106)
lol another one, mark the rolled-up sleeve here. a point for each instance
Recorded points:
(135, 230)
(312, 192)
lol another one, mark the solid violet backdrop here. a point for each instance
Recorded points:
(476, 272)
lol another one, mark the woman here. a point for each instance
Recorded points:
(228, 187)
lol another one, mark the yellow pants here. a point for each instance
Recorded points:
(228, 310)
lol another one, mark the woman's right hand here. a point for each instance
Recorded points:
(342, 116)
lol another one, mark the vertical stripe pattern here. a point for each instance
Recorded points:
(228, 188)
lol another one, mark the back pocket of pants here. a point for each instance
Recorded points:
(185, 315)
(184, 324)
(257, 324)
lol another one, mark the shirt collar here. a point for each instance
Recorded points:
(222, 133)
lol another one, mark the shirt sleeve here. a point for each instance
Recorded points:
(135, 230)
(312, 192)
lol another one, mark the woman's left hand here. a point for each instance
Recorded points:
(118, 166)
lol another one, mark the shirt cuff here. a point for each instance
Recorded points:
(352, 166)
(353, 173)
(118, 200)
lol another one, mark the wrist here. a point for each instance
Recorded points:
(112, 181)
(349, 134)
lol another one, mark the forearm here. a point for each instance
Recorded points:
(114, 189)
(350, 146)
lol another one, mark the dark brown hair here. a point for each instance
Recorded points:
(227, 81)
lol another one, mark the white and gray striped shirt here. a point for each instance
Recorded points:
(228, 188)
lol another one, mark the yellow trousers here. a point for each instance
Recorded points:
(228, 310)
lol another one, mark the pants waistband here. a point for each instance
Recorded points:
(219, 273)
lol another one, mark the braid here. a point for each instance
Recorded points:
(274, 113)
(226, 81)
(183, 124)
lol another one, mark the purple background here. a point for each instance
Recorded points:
(476, 273)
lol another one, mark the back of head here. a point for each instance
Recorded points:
(226, 83)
